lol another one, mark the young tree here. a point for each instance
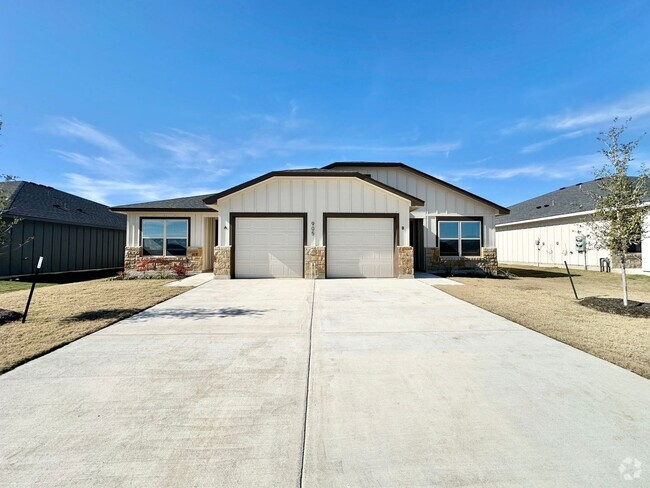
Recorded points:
(620, 212)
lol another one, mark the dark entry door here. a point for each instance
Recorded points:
(417, 242)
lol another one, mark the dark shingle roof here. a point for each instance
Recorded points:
(38, 202)
(187, 204)
(567, 200)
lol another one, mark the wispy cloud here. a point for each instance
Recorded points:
(538, 146)
(634, 106)
(575, 166)
(101, 152)
(113, 191)
(190, 150)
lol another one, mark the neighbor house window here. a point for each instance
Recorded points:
(164, 237)
(460, 238)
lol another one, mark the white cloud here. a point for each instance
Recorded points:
(105, 153)
(538, 146)
(566, 168)
(111, 191)
(190, 150)
(634, 106)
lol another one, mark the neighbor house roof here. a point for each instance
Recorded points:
(565, 201)
(365, 164)
(38, 202)
(314, 172)
(184, 204)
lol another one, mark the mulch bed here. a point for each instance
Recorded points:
(9, 316)
(615, 305)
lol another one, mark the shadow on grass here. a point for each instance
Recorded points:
(103, 314)
(538, 273)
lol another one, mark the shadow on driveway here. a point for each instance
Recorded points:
(180, 313)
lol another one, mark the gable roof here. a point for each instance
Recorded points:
(183, 204)
(359, 164)
(39, 202)
(565, 201)
(313, 172)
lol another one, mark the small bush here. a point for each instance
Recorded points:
(179, 270)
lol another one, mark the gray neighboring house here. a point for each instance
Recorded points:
(542, 231)
(71, 233)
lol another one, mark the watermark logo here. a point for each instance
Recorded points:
(630, 469)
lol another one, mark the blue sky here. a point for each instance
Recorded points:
(128, 101)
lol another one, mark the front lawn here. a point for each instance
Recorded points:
(63, 313)
(541, 299)
(7, 286)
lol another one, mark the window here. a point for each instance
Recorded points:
(459, 238)
(164, 237)
(634, 248)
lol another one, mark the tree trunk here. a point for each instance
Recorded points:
(624, 277)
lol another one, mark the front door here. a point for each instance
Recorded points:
(416, 233)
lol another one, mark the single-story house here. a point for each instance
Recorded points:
(348, 219)
(71, 233)
(543, 231)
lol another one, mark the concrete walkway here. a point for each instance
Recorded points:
(407, 387)
(194, 280)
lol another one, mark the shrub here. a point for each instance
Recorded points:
(179, 270)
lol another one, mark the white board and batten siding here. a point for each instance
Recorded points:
(314, 196)
(516, 243)
(439, 201)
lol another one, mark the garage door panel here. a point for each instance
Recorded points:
(360, 247)
(268, 247)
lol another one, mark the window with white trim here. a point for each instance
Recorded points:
(165, 237)
(459, 238)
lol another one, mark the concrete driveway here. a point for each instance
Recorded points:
(328, 383)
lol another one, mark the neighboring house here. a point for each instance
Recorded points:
(543, 231)
(71, 233)
(356, 219)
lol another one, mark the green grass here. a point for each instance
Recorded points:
(7, 286)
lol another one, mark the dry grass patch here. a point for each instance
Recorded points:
(63, 313)
(541, 299)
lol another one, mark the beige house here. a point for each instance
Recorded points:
(543, 231)
(351, 219)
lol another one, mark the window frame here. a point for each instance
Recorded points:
(459, 239)
(164, 236)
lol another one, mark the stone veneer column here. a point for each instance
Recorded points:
(195, 259)
(131, 257)
(404, 262)
(222, 262)
(489, 262)
(314, 262)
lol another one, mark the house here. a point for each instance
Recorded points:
(71, 233)
(543, 230)
(348, 219)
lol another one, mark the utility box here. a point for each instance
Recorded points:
(581, 242)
